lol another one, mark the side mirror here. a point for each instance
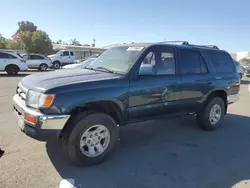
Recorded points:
(61, 55)
(147, 70)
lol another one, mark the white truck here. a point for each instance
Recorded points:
(61, 58)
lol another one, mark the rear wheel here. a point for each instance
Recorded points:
(212, 113)
(92, 139)
(56, 65)
(12, 69)
(43, 67)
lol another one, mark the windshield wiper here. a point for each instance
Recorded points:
(106, 69)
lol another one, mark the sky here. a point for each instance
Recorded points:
(225, 23)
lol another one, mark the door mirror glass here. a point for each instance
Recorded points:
(147, 70)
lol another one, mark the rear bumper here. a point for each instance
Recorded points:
(46, 127)
(233, 98)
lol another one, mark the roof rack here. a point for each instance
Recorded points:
(205, 46)
(187, 43)
(176, 41)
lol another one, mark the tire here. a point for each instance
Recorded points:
(12, 69)
(56, 65)
(203, 118)
(43, 67)
(85, 128)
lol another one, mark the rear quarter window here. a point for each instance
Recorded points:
(221, 61)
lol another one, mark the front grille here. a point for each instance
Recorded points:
(21, 91)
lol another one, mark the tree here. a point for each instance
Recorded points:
(2, 42)
(14, 45)
(25, 26)
(59, 42)
(33, 40)
(74, 42)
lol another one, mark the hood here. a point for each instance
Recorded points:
(44, 81)
(72, 66)
(52, 56)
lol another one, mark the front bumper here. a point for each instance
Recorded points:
(46, 127)
(233, 98)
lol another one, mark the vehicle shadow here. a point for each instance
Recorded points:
(168, 153)
(245, 82)
(17, 75)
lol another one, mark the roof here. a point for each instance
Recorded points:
(167, 43)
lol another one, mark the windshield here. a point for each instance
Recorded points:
(87, 62)
(118, 59)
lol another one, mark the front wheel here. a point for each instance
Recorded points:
(56, 65)
(210, 117)
(92, 139)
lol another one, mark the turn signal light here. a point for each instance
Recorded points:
(29, 118)
(48, 100)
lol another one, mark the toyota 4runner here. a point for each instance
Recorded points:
(129, 83)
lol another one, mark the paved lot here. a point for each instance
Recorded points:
(164, 153)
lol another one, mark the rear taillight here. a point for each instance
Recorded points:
(23, 61)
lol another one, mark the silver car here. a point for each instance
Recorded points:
(38, 61)
(245, 63)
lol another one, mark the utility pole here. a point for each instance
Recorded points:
(93, 45)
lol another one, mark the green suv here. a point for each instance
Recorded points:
(126, 84)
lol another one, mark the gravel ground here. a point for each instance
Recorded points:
(163, 153)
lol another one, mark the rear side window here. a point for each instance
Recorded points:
(191, 62)
(72, 53)
(4, 55)
(12, 57)
(36, 57)
(221, 61)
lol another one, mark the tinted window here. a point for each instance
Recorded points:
(36, 57)
(65, 53)
(72, 53)
(191, 62)
(4, 55)
(221, 61)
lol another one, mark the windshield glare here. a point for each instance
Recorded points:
(118, 59)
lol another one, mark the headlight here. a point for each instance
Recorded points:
(39, 100)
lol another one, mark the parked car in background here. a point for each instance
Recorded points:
(245, 63)
(239, 69)
(38, 61)
(61, 58)
(80, 64)
(126, 84)
(12, 62)
(91, 56)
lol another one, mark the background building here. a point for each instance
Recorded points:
(239, 55)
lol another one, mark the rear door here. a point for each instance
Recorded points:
(155, 96)
(72, 56)
(196, 81)
(4, 60)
